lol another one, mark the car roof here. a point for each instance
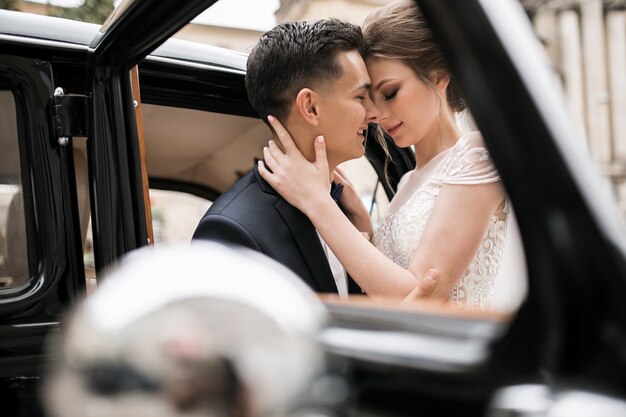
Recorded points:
(75, 34)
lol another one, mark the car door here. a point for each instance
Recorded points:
(54, 93)
(41, 255)
(133, 30)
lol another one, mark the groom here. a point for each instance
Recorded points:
(311, 76)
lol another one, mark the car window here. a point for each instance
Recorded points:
(213, 150)
(207, 146)
(13, 246)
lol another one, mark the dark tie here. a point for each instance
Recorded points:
(335, 191)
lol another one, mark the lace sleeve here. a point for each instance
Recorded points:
(470, 163)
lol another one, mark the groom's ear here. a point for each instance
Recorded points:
(307, 106)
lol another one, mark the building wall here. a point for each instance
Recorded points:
(36, 8)
(241, 40)
(353, 11)
(586, 41)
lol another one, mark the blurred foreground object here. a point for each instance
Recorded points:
(206, 330)
(536, 400)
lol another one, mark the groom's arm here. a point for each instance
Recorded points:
(220, 228)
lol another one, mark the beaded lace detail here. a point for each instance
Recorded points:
(400, 231)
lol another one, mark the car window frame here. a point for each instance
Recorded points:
(53, 244)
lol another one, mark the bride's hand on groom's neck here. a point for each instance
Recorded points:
(303, 184)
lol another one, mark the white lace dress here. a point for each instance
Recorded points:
(401, 230)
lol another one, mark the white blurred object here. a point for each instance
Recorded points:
(205, 330)
(535, 400)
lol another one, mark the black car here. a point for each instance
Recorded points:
(74, 147)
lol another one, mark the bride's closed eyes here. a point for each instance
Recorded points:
(390, 95)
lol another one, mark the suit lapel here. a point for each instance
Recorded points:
(305, 237)
(309, 244)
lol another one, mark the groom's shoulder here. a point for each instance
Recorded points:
(245, 196)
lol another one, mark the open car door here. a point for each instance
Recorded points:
(133, 30)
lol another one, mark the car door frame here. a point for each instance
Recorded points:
(55, 265)
(132, 31)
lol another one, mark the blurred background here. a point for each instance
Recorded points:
(584, 39)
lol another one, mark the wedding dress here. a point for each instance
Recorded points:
(496, 277)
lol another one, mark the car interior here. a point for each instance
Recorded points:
(188, 153)
(210, 150)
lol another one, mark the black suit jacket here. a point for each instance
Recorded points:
(252, 214)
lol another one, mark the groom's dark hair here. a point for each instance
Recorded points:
(293, 56)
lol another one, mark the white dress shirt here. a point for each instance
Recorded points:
(338, 271)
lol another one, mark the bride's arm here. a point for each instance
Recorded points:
(455, 229)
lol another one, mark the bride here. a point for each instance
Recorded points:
(450, 213)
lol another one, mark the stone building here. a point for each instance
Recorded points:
(586, 41)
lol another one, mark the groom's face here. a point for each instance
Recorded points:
(345, 110)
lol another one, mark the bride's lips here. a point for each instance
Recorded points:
(391, 132)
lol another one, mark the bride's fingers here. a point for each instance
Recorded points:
(270, 161)
(320, 154)
(275, 151)
(424, 287)
(265, 174)
(283, 135)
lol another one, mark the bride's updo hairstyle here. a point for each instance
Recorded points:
(399, 31)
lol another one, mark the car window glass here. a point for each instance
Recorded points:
(13, 246)
(175, 215)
